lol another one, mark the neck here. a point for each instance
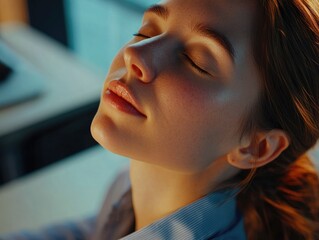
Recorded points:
(157, 192)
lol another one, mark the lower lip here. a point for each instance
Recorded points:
(121, 104)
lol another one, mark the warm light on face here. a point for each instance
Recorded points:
(191, 70)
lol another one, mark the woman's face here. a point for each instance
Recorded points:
(191, 75)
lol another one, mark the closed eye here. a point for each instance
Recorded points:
(140, 35)
(194, 65)
(189, 60)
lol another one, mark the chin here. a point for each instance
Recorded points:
(101, 131)
(109, 136)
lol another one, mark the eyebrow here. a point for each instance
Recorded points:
(203, 30)
(159, 10)
(208, 32)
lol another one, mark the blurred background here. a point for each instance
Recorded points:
(38, 35)
(54, 56)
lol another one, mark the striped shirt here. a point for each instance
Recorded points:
(214, 216)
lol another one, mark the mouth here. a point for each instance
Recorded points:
(123, 99)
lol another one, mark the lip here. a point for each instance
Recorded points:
(122, 98)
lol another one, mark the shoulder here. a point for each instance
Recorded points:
(117, 189)
(119, 186)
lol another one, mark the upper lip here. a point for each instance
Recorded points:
(122, 90)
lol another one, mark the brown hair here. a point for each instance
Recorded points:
(282, 199)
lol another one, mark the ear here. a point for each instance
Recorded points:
(263, 149)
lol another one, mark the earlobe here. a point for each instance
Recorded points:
(262, 150)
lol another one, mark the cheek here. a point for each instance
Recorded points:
(182, 95)
(197, 105)
(193, 124)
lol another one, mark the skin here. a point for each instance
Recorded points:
(189, 141)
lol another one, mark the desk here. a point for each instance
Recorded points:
(70, 189)
(56, 124)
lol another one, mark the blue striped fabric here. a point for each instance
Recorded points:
(211, 217)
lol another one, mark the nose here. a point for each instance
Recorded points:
(139, 61)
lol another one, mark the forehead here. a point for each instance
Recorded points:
(213, 8)
(233, 17)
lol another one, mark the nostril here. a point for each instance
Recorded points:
(137, 71)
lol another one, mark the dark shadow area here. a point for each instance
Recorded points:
(49, 17)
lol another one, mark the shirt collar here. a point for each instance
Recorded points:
(207, 218)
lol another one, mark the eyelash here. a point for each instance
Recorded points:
(140, 35)
(189, 60)
(194, 65)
